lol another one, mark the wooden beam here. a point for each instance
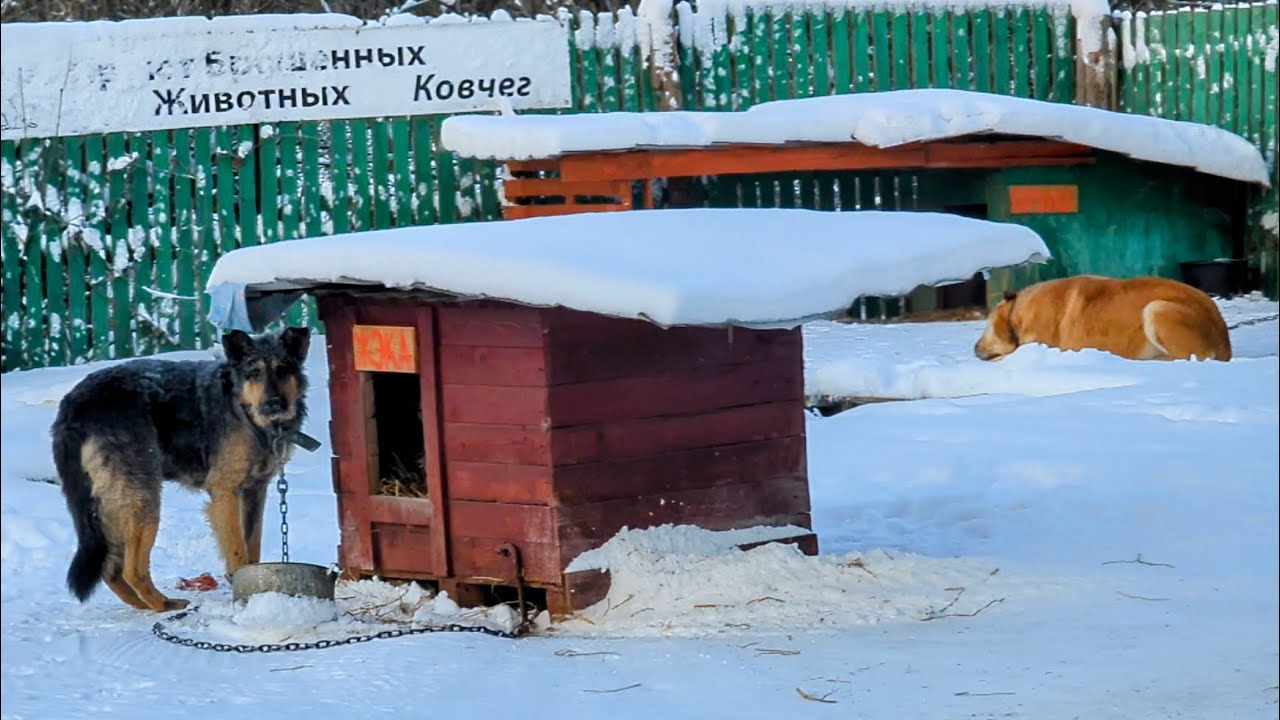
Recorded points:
(749, 159)
(555, 187)
(532, 166)
(517, 212)
(734, 160)
(1006, 153)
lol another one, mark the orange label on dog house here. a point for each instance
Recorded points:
(385, 348)
(1043, 199)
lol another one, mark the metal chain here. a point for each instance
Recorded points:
(282, 485)
(1255, 321)
(161, 632)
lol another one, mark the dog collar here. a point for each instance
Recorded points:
(305, 441)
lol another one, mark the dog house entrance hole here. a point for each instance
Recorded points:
(396, 445)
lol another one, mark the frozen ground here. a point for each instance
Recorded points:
(1020, 491)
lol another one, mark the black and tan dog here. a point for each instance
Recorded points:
(224, 426)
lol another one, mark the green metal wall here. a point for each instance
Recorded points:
(1135, 218)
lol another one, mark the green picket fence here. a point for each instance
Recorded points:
(1206, 66)
(1214, 66)
(756, 57)
(107, 240)
(122, 231)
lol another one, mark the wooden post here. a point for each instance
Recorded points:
(1096, 68)
(665, 79)
(668, 92)
(662, 58)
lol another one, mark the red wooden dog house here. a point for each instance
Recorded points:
(544, 431)
(508, 395)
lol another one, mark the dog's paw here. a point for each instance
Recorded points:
(171, 604)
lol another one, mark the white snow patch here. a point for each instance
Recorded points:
(362, 607)
(860, 360)
(121, 162)
(1272, 49)
(627, 31)
(1089, 16)
(1128, 52)
(605, 35)
(685, 23)
(673, 267)
(656, 18)
(1142, 53)
(676, 539)
(1271, 221)
(277, 610)
(694, 584)
(882, 119)
(1034, 370)
(584, 36)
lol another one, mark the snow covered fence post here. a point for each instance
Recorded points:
(1095, 54)
(660, 55)
(659, 38)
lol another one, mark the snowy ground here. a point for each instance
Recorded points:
(1016, 490)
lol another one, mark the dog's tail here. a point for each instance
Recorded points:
(91, 554)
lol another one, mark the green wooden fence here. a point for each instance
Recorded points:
(108, 240)
(1214, 66)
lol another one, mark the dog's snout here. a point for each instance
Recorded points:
(983, 354)
(275, 405)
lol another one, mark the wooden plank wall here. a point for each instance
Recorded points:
(553, 424)
(493, 408)
(687, 425)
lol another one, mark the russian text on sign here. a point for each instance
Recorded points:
(193, 72)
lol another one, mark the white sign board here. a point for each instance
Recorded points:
(63, 79)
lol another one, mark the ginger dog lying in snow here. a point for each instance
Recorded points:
(1141, 319)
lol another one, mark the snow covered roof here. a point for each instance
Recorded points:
(883, 119)
(755, 267)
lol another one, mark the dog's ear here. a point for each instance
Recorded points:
(296, 341)
(1010, 295)
(236, 345)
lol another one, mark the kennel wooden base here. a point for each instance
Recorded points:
(546, 431)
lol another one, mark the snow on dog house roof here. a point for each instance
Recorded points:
(882, 120)
(751, 267)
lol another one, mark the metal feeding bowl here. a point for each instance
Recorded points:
(289, 578)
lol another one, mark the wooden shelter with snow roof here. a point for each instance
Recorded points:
(1112, 193)
(507, 395)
